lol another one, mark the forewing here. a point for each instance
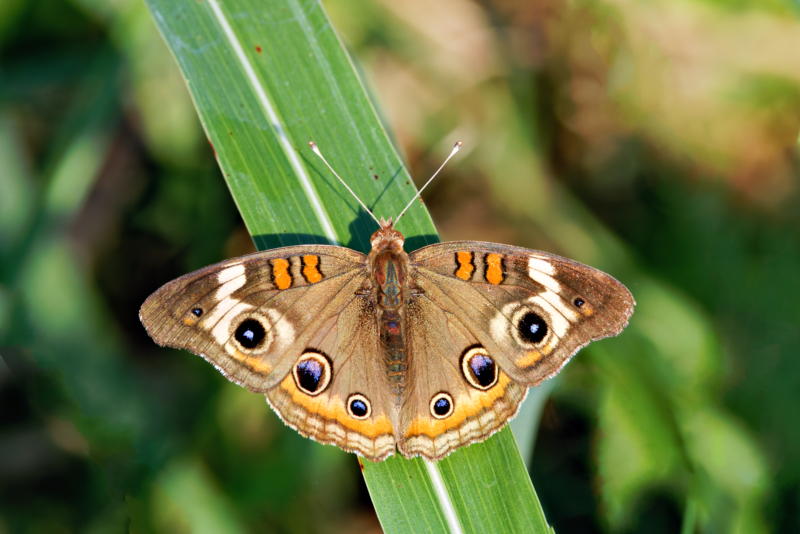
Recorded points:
(253, 316)
(498, 292)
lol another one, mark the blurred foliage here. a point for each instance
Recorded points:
(656, 140)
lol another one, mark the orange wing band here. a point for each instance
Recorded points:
(466, 407)
(310, 269)
(332, 409)
(280, 273)
(465, 266)
(494, 269)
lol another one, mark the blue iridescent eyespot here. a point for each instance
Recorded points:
(479, 369)
(250, 333)
(312, 373)
(442, 405)
(358, 406)
(532, 327)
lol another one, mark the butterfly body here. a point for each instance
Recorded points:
(422, 352)
(389, 265)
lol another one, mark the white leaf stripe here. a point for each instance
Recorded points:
(278, 128)
(444, 497)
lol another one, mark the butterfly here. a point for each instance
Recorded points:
(420, 352)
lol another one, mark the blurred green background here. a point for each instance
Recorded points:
(657, 140)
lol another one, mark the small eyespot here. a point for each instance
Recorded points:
(250, 333)
(532, 327)
(197, 312)
(579, 302)
(358, 406)
(441, 405)
(479, 368)
(312, 373)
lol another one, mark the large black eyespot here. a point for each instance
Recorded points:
(579, 302)
(358, 406)
(250, 333)
(197, 312)
(312, 373)
(441, 405)
(479, 368)
(532, 328)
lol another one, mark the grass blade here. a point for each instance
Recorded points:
(267, 77)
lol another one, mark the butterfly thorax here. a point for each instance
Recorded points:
(389, 265)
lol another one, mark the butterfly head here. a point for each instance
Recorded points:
(387, 238)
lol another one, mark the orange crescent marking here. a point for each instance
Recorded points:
(258, 365)
(465, 265)
(466, 407)
(334, 409)
(310, 270)
(253, 362)
(533, 356)
(494, 268)
(280, 273)
(529, 358)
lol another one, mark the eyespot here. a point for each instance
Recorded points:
(579, 302)
(197, 312)
(532, 327)
(250, 333)
(479, 368)
(442, 405)
(531, 323)
(358, 406)
(312, 373)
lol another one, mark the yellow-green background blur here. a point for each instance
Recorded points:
(656, 139)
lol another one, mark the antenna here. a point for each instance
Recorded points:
(457, 146)
(452, 153)
(313, 146)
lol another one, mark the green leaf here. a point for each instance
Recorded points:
(267, 77)
(480, 488)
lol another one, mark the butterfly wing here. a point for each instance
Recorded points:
(261, 319)
(508, 318)
(441, 411)
(252, 316)
(355, 411)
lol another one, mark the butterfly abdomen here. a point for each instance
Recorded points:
(389, 268)
(392, 325)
